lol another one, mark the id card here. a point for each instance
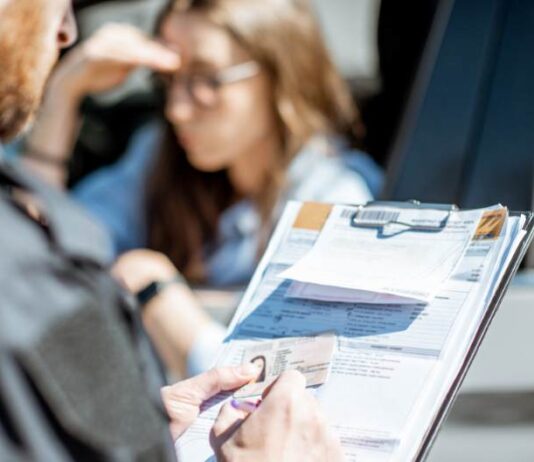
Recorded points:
(309, 355)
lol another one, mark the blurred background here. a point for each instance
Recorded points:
(446, 94)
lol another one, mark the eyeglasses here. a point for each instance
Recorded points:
(203, 89)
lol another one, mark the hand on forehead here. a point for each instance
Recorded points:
(199, 42)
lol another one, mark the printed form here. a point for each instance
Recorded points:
(402, 263)
(393, 363)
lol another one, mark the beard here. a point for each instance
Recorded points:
(26, 61)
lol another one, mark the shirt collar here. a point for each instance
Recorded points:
(242, 218)
(317, 148)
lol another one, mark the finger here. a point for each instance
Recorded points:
(227, 422)
(155, 56)
(287, 382)
(144, 54)
(228, 417)
(335, 451)
(214, 381)
(129, 46)
(149, 52)
(324, 432)
(285, 398)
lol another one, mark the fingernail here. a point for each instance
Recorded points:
(235, 404)
(246, 406)
(250, 369)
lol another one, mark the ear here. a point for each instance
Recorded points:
(68, 32)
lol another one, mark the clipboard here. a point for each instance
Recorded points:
(515, 262)
(307, 219)
(483, 327)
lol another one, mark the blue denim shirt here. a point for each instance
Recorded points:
(115, 197)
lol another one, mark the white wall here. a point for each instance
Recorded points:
(350, 27)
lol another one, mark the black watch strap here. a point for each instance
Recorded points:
(155, 287)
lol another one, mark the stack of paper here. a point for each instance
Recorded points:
(403, 310)
(404, 263)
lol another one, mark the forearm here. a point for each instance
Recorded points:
(53, 135)
(174, 319)
(172, 314)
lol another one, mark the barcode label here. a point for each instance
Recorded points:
(377, 216)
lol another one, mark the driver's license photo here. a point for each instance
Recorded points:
(309, 355)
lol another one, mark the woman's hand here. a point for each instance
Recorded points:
(99, 64)
(287, 426)
(105, 60)
(183, 399)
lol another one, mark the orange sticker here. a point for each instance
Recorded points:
(312, 216)
(491, 224)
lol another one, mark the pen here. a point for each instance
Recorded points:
(247, 406)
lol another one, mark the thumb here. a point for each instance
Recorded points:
(214, 381)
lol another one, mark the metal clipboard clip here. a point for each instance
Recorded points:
(373, 215)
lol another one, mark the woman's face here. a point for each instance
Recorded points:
(217, 136)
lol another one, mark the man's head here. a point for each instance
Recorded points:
(31, 34)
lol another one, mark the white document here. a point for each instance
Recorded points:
(394, 364)
(405, 263)
(339, 294)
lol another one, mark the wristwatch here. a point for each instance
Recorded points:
(156, 287)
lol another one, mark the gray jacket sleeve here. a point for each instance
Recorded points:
(78, 378)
